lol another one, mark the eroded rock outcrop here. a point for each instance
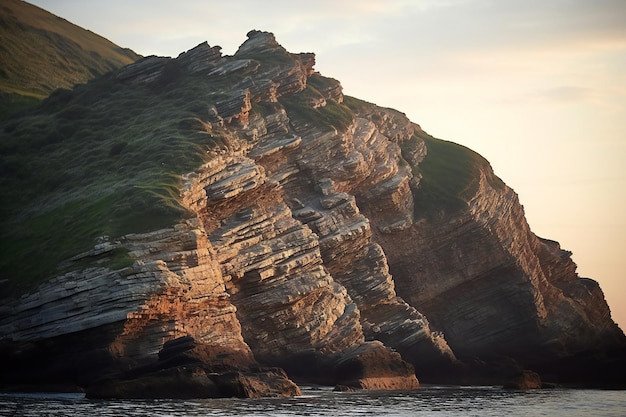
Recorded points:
(290, 306)
(312, 242)
(121, 318)
(510, 297)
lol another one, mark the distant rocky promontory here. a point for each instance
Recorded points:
(211, 225)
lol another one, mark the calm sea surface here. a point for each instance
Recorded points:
(428, 401)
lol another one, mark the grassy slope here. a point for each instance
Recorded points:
(40, 52)
(450, 174)
(103, 159)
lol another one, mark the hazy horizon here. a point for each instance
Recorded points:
(537, 88)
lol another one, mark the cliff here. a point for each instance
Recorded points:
(214, 218)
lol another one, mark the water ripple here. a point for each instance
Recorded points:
(430, 401)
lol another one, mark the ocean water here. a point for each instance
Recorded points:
(315, 401)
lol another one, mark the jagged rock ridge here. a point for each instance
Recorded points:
(306, 243)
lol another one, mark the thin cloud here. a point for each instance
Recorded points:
(568, 94)
(426, 26)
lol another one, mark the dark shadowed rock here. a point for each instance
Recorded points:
(189, 369)
(180, 383)
(525, 380)
(374, 366)
(262, 382)
(144, 70)
(195, 382)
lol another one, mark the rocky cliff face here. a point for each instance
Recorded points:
(307, 245)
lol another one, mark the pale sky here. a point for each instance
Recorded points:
(537, 87)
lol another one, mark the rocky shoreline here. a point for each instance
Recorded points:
(307, 252)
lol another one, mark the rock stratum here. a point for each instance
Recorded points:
(293, 234)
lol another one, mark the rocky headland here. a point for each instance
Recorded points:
(301, 235)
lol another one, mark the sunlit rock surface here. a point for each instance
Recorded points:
(307, 246)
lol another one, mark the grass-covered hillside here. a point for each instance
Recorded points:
(40, 52)
(102, 159)
(450, 174)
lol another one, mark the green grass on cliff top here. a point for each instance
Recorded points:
(450, 174)
(332, 115)
(103, 159)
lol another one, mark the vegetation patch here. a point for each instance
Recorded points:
(103, 159)
(332, 115)
(450, 175)
(357, 105)
(322, 83)
(11, 103)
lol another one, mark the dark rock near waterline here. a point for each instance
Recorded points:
(525, 380)
(168, 383)
(186, 369)
(373, 366)
(196, 382)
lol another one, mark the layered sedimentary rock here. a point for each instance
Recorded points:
(510, 294)
(307, 246)
(123, 317)
(515, 295)
(293, 312)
